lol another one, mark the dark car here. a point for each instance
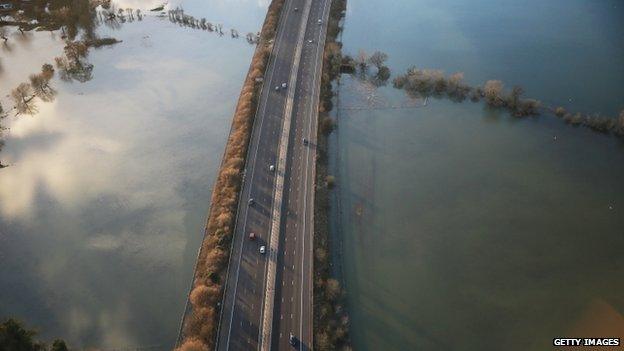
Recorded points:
(292, 340)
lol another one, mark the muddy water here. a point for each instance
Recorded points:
(102, 207)
(466, 229)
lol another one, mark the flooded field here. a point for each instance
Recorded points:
(465, 228)
(104, 198)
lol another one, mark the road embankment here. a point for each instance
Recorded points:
(331, 321)
(200, 321)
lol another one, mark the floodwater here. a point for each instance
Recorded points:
(464, 228)
(104, 201)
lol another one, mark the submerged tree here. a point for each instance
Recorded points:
(72, 66)
(378, 59)
(23, 97)
(3, 34)
(40, 83)
(362, 60)
(493, 90)
(360, 65)
(2, 113)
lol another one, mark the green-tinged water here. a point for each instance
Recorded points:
(104, 200)
(464, 228)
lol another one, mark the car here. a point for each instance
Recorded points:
(262, 249)
(320, 21)
(250, 202)
(252, 236)
(276, 87)
(305, 141)
(284, 85)
(292, 340)
(311, 41)
(296, 9)
(271, 168)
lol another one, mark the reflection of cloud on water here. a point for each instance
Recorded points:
(65, 168)
(109, 183)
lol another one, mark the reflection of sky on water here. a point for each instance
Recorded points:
(102, 207)
(477, 231)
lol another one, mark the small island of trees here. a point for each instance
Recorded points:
(14, 337)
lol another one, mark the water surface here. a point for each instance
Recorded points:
(466, 229)
(103, 205)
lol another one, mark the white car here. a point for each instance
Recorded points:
(271, 168)
(284, 85)
(262, 249)
(276, 87)
(311, 41)
(320, 21)
(296, 9)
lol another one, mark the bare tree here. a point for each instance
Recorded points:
(41, 83)
(332, 289)
(378, 59)
(76, 50)
(23, 97)
(493, 90)
(362, 60)
(3, 34)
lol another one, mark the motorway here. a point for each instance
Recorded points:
(269, 296)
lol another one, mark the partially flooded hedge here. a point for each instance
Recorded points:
(331, 320)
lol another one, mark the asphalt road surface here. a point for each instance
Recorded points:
(241, 319)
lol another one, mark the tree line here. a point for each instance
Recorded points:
(178, 16)
(331, 318)
(434, 83)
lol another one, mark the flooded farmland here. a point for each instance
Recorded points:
(104, 198)
(465, 228)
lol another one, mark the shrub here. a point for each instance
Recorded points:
(332, 289)
(492, 91)
(327, 125)
(330, 181)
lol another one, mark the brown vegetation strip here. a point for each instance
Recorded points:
(331, 321)
(200, 325)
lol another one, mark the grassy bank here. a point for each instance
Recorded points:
(331, 321)
(200, 324)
